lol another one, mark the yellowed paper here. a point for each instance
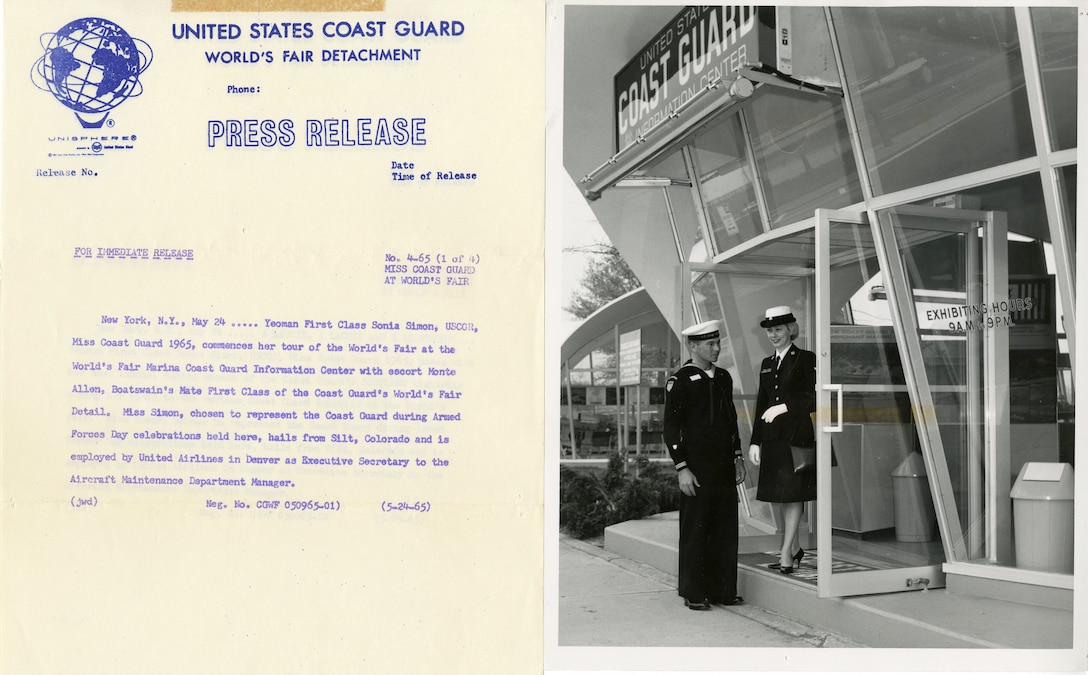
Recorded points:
(277, 5)
(270, 333)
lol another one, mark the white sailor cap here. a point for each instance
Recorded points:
(708, 330)
(776, 316)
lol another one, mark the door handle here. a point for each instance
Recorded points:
(835, 388)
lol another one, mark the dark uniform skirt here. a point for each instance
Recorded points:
(777, 481)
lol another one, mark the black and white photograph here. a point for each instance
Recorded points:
(814, 273)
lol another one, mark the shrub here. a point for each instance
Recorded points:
(662, 478)
(588, 503)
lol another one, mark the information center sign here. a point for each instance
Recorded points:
(699, 45)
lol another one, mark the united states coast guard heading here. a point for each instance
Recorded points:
(308, 30)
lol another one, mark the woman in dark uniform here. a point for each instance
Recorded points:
(786, 398)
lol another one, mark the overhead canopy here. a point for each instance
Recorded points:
(633, 310)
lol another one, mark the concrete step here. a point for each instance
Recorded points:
(936, 618)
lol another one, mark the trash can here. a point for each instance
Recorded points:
(915, 519)
(1042, 516)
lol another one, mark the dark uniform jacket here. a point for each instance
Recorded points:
(793, 383)
(700, 425)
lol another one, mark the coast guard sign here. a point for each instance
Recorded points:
(699, 45)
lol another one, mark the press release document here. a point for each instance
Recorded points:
(271, 327)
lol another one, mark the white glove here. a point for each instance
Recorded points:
(753, 454)
(774, 411)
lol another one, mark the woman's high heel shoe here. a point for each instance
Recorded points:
(786, 570)
(796, 559)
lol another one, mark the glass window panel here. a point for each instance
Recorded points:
(688, 227)
(598, 362)
(705, 296)
(681, 199)
(658, 345)
(581, 377)
(709, 297)
(671, 165)
(605, 377)
(1020, 199)
(643, 414)
(1040, 377)
(1066, 400)
(1056, 42)
(937, 264)
(1066, 384)
(1067, 176)
(802, 149)
(636, 220)
(739, 300)
(878, 433)
(939, 91)
(963, 337)
(863, 347)
(729, 199)
(655, 378)
(577, 394)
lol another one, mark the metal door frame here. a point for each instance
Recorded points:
(994, 444)
(829, 421)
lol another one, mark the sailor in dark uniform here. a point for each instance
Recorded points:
(700, 429)
(786, 398)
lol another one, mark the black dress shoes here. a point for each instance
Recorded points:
(696, 604)
(729, 601)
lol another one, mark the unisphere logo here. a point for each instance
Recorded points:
(91, 65)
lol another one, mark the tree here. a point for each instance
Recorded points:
(606, 278)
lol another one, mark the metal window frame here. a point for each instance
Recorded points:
(1056, 217)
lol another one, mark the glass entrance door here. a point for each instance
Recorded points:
(878, 529)
(914, 318)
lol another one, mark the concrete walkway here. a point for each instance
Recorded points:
(607, 600)
(933, 619)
